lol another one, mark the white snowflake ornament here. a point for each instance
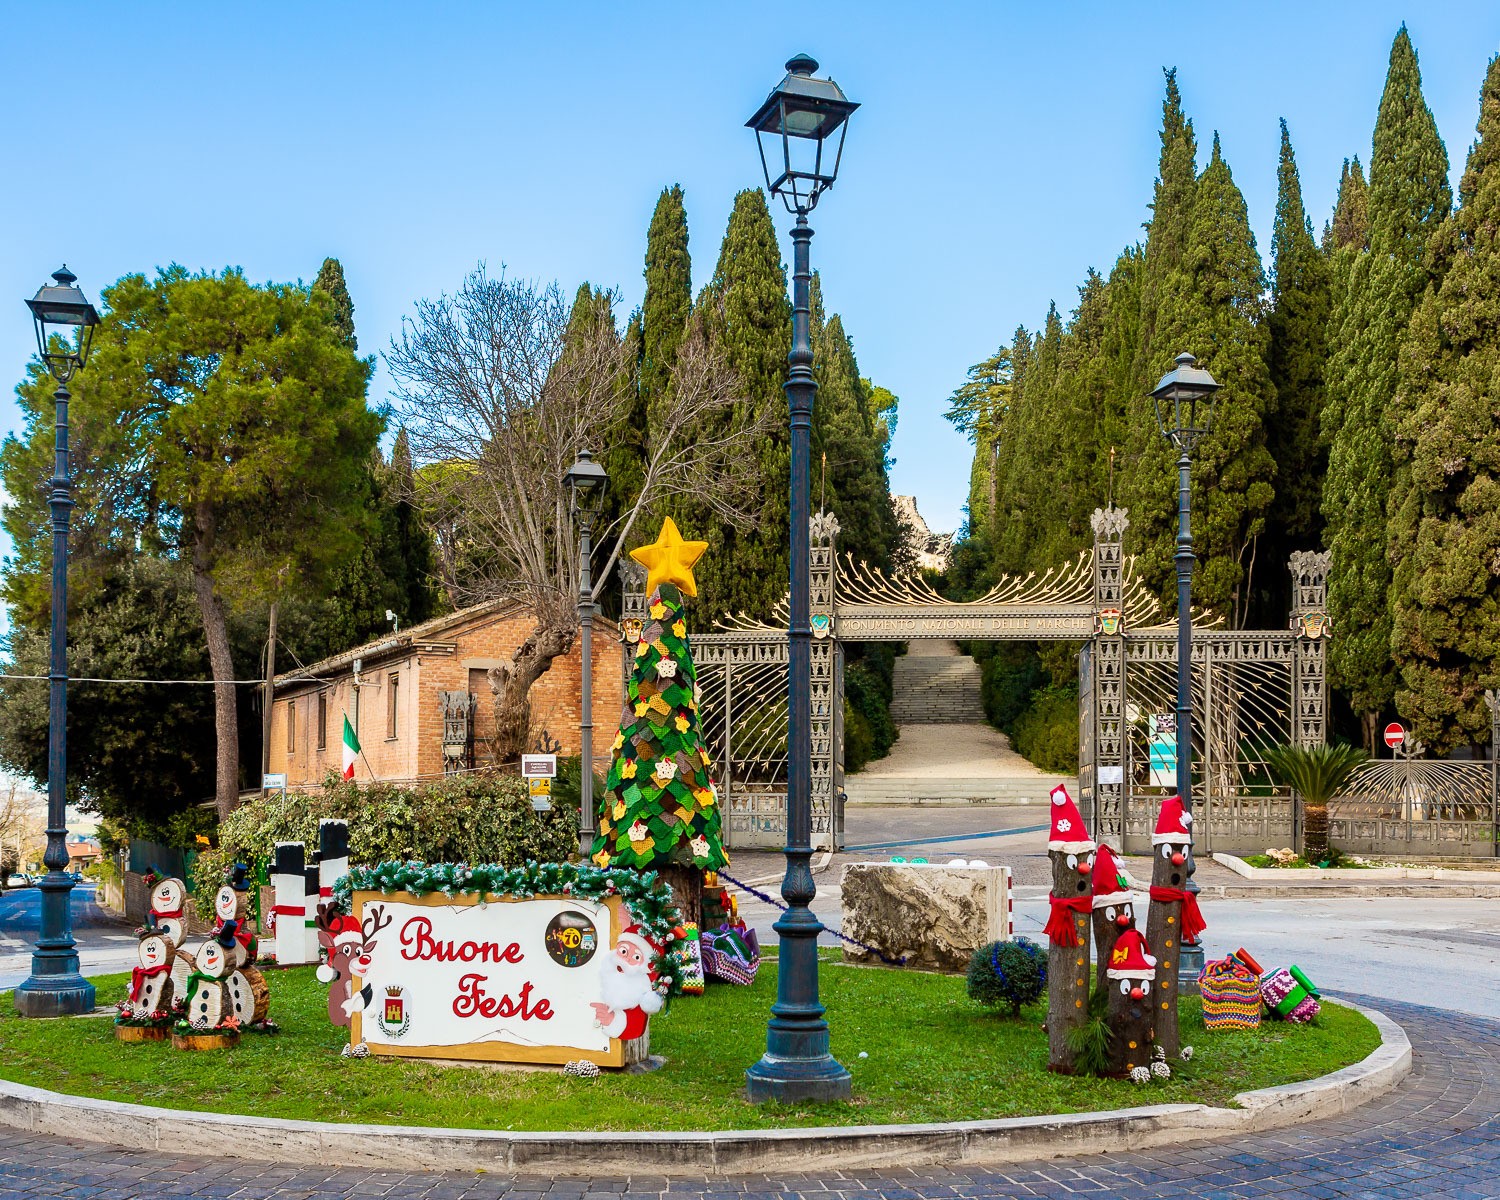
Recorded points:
(666, 669)
(700, 846)
(639, 833)
(1063, 825)
(666, 769)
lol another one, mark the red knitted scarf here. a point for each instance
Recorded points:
(1061, 929)
(1192, 919)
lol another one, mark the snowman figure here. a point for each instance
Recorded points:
(232, 907)
(206, 995)
(151, 981)
(166, 910)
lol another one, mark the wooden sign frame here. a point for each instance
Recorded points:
(620, 1052)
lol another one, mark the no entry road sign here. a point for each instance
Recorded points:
(1395, 734)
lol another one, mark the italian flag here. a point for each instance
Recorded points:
(351, 749)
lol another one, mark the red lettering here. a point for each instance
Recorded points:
(418, 945)
(471, 1001)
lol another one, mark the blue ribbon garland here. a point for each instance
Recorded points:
(843, 937)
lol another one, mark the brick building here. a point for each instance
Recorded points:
(421, 698)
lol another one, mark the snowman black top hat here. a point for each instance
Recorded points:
(238, 877)
(225, 936)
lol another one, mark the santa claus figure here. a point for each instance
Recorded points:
(627, 987)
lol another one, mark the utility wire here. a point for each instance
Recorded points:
(200, 682)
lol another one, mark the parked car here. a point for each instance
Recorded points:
(19, 880)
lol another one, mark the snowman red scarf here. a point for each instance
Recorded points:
(1192, 917)
(1061, 929)
(139, 975)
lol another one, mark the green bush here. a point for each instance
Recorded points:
(1008, 973)
(1009, 675)
(479, 818)
(1046, 733)
(867, 692)
(859, 742)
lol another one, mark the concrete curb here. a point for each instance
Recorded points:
(1360, 875)
(1017, 1139)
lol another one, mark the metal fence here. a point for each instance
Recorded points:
(1424, 808)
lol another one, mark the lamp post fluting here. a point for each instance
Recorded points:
(586, 481)
(802, 114)
(55, 987)
(1185, 401)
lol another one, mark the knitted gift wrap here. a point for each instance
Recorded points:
(1288, 994)
(1231, 995)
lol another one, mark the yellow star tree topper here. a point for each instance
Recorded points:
(669, 559)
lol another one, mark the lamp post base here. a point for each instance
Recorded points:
(797, 1080)
(62, 994)
(1190, 961)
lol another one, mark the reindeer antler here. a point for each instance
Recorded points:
(372, 924)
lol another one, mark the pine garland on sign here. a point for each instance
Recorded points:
(648, 899)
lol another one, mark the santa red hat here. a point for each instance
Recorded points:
(651, 948)
(1131, 959)
(1173, 824)
(345, 930)
(1068, 835)
(1110, 882)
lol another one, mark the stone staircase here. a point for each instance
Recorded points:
(937, 690)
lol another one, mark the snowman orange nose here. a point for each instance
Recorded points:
(1083, 868)
(1122, 920)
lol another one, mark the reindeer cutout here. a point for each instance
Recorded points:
(348, 944)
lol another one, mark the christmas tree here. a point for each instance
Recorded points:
(661, 810)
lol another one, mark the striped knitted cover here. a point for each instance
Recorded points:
(1231, 995)
(1285, 996)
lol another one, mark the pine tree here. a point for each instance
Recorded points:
(746, 311)
(669, 297)
(330, 283)
(1297, 355)
(1024, 501)
(1349, 227)
(661, 808)
(977, 410)
(1408, 198)
(1212, 310)
(1445, 507)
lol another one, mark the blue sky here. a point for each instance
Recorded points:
(1001, 149)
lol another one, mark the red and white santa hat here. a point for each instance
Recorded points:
(1173, 824)
(1068, 835)
(1110, 882)
(638, 937)
(1131, 958)
(347, 931)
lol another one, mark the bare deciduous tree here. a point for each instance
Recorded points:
(22, 828)
(499, 386)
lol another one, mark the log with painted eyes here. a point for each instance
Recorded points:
(1131, 979)
(207, 995)
(1114, 908)
(1071, 851)
(248, 994)
(167, 900)
(151, 982)
(1169, 874)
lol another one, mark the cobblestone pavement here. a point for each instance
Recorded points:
(1436, 1136)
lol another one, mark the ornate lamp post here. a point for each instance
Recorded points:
(1185, 401)
(801, 119)
(587, 480)
(55, 987)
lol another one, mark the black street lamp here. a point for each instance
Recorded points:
(55, 988)
(1185, 401)
(587, 480)
(803, 114)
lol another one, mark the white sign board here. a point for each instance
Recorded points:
(273, 781)
(543, 766)
(509, 981)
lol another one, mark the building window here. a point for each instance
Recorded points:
(322, 720)
(291, 727)
(393, 681)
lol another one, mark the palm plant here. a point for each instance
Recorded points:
(1317, 774)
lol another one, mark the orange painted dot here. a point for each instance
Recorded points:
(1164, 1004)
(1169, 943)
(1130, 1066)
(1171, 920)
(1080, 962)
(1132, 1045)
(1078, 1004)
(1080, 983)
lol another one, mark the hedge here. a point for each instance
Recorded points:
(479, 818)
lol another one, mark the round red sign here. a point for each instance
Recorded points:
(1395, 734)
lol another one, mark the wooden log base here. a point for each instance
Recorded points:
(213, 1040)
(140, 1033)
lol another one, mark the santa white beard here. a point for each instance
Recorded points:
(623, 988)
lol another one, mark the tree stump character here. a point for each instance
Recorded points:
(1114, 907)
(1174, 914)
(151, 981)
(167, 900)
(1131, 973)
(206, 995)
(232, 907)
(248, 994)
(1071, 851)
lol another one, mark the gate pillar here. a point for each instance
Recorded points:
(1110, 795)
(1309, 664)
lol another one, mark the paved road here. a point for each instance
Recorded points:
(1436, 1137)
(104, 942)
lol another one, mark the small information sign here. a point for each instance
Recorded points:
(539, 766)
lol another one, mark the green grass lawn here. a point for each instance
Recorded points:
(933, 1055)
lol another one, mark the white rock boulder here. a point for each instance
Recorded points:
(933, 916)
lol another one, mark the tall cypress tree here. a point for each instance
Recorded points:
(1445, 504)
(746, 311)
(330, 283)
(669, 297)
(1349, 227)
(1409, 198)
(1297, 356)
